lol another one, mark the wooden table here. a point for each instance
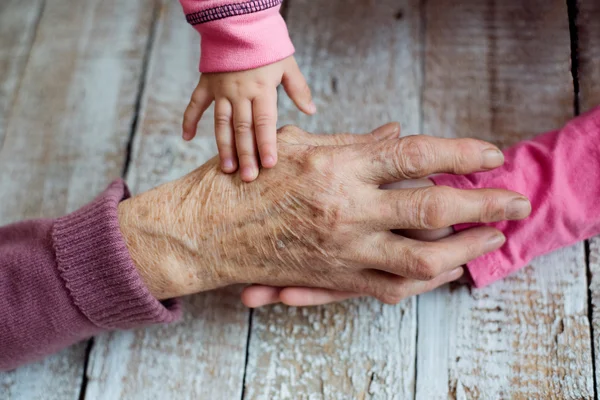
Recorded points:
(91, 90)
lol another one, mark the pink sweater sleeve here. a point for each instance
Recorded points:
(237, 35)
(560, 173)
(67, 279)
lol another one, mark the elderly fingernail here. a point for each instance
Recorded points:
(269, 161)
(494, 242)
(518, 208)
(491, 158)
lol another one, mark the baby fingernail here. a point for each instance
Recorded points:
(312, 107)
(227, 164)
(248, 173)
(269, 161)
(518, 208)
(494, 242)
(491, 158)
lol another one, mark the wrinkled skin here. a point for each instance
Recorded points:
(260, 295)
(319, 219)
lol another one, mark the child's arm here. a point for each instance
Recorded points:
(246, 54)
(238, 35)
(560, 174)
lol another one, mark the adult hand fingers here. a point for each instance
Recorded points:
(305, 296)
(426, 260)
(438, 207)
(393, 289)
(259, 296)
(415, 157)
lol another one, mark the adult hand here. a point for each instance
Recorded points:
(254, 296)
(320, 218)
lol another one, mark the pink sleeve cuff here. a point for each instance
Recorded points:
(560, 174)
(239, 35)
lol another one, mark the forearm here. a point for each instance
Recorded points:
(559, 173)
(238, 35)
(67, 279)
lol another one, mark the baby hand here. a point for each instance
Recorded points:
(246, 113)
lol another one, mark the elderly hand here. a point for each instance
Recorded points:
(320, 218)
(254, 296)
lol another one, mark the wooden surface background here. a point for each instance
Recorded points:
(94, 89)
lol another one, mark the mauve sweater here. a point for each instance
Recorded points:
(67, 279)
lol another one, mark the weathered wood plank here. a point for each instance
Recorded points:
(202, 357)
(588, 65)
(18, 24)
(363, 62)
(588, 56)
(503, 74)
(66, 137)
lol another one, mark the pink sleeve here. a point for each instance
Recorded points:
(64, 280)
(238, 35)
(560, 173)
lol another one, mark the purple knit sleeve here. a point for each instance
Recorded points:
(64, 280)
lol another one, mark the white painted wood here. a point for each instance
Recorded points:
(362, 60)
(66, 137)
(503, 74)
(201, 357)
(588, 29)
(18, 23)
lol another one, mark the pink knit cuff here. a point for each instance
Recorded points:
(99, 274)
(237, 41)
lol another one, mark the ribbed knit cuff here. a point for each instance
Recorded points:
(244, 42)
(94, 263)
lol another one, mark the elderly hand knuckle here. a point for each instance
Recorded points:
(472, 249)
(463, 156)
(433, 208)
(491, 209)
(394, 296)
(427, 266)
(413, 155)
(318, 161)
(288, 130)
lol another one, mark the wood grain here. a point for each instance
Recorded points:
(18, 24)
(503, 74)
(588, 53)
(66, 136)
(362, 60)
(588, 65)
(201, 357)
